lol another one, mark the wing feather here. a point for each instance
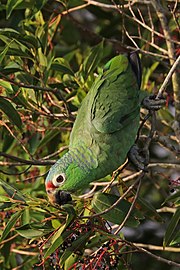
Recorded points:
(116, 101)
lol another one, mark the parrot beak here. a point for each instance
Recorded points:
(59, 197)
(62, 197)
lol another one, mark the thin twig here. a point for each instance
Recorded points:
(9, 239)
(107, 6)
(17, 173)
(118, 201)
(166, 209)
(158, 258)
(19, 141)
(168, 77)
(132, 18)
(164, 142)
(160, 248)
(28, 162)
(151, 44)
(30, 86)
(130, 209)
(165, 165)
(74, 9)
(23, 252)
(61, 149)
(115, 175)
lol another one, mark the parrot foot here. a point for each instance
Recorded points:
(151, 103)
(137, 157)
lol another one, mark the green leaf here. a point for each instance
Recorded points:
(20, 53)
(3, 53)
(97, 240)
(39, 4)
(26, 216)
(10, 224)
(8, 140)
(7, 86)
(148, 210)
(53, 28)
(10, 111)
(70, 261)
(71, 213)
(171, 228)
(61, 235)
(175, 198)
(61, 68)
(29, 233)
(176, 239)
(24, 41)
(31, 40)
(20, 98)
(92, 61)
(42, 58)
(12, 192)
(147, 73)
(55, 223)
(58, 239)
(4, 199)
(34, 142)
(7, 71)
(103, 201)
(11, 4)
(6, 31)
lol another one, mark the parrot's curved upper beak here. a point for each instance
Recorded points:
(59, 197)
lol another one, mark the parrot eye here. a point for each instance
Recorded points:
(59, 179)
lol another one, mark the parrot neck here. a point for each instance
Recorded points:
(79, 163)
(84, 158)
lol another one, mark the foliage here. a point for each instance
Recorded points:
(50, 52)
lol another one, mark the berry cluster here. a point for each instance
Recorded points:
(174, 185)
(91, 245)
(107, 257)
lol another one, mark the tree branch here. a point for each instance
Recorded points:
(158, 258)
(168, 77)
(132, 18)
(130, 209)
(171, 51)
(28, 162)
(160, 248)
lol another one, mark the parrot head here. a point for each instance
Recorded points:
(65, 176)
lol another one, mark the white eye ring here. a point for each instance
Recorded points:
(59, 180)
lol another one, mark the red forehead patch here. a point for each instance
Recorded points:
(50, 185)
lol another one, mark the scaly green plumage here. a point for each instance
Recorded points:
(104, 130)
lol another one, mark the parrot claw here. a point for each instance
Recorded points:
(136, 157)
(151, 103)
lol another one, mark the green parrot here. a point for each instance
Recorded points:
(104, 131)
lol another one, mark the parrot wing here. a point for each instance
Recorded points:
(115, 101)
